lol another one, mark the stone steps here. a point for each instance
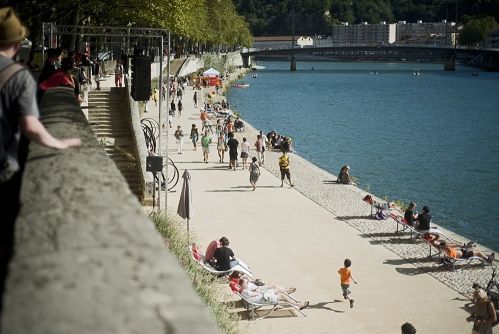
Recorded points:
(109, 117)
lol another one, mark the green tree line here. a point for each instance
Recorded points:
(273, 17)
(209, 22)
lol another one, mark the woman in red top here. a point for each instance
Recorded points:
(61, 77)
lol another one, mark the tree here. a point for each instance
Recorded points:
(475, 32)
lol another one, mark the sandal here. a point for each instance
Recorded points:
(304, 305)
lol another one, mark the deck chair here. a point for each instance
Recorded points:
(252, 307)
(464, 263)
(200, 259)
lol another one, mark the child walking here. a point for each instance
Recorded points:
(345, 277)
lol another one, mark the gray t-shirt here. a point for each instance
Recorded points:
(17, 99)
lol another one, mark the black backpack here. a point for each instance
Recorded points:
(5, 74)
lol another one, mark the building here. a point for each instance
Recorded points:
(363, 33)
(433, 33)
(281, 42)
(493, 40)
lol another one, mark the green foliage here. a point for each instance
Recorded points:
(475, 31)
(273, 17)
(203, 282)
(206, 21)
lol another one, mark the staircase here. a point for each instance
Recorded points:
(109, 117)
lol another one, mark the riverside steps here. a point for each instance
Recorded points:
(110, 118)
(300, 237)
(86, 258)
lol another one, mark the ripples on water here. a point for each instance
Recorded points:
(432, 138)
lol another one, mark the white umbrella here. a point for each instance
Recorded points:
(185, 209)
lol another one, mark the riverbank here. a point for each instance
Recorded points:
(300, 236)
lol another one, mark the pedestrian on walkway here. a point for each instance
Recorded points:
(179, 107)
(155, 97)
(259, 149)
(195, 98)
(179, 93)
(205, 145)
(245, 148)
(172, 107)
(221, 146)
(345, 278)
(118, 74)
(194, 136)
(284, 168)
(233, 144)
(179, 135)
(254, 172)
(18, 116)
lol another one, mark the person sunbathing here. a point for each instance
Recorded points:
(458, 251)
(254, 284)
(257, 294)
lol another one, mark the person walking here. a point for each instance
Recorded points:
(179, 93)
(194, 136)
(284, 168)
(233, 144)
(254, 172)
(345, 278)
(118, 74)
(172, 107)
(221, 146)
(18, 115)
(205, 145)
(195, 98)
(245, 148)
(179, 135)
(180, 107)
(259, 149)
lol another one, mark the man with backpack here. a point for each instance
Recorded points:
(18, 115)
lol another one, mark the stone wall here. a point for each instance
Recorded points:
(87, 259)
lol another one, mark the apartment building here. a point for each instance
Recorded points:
(363, 33)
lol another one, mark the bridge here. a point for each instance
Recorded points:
(487, 59)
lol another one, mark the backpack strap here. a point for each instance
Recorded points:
(8, 72)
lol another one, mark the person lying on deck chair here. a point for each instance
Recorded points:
(262, 295)
(254, 284)
(458, 251)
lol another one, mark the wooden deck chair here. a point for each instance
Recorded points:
(252, 307)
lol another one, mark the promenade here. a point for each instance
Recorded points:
(300, 236)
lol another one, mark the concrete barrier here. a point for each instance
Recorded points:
(87, 259)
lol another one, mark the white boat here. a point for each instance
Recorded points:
(257, 67)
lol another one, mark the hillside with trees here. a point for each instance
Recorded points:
(273, 17)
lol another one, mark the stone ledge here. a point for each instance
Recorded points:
(87, 260)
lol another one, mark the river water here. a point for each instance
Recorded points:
(431, 138)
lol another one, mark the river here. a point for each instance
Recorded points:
(431, 138)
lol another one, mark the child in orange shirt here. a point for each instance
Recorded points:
(345, 277)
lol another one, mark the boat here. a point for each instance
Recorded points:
(257, 67)
(240, 85)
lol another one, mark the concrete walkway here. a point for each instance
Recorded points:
(288, 239)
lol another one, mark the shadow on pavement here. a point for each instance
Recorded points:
(322, 306)
(345, 218)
